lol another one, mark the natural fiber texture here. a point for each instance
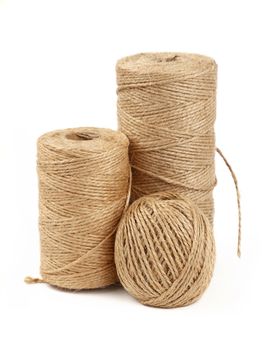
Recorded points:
(83, 186)
(164, 250)
(167, 108)
(238, 200)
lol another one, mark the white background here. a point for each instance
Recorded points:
(57, 70)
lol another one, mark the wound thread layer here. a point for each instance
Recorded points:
(83, 188)
(167, 108)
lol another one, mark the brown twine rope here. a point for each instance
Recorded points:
(84, 188)
(238, 199)
(167, 108)
(164, 250)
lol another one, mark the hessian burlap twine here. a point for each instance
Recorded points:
(162, 246)
(83, 190)
(164, 250)
(167, 108)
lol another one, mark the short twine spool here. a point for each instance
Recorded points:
(83, 190)
(164, 250)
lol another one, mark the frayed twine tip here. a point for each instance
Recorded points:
(31, 280)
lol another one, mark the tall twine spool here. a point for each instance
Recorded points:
(167, 108)
(164, 250)
(83, 189)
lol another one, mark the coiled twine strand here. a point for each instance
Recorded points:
(164, 250)
(167, 108)
(83, 189)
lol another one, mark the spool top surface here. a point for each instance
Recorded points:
(166, 63)
(84, 138)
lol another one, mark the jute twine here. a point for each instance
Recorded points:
(167, 108)
(83, 190)
(164, 250)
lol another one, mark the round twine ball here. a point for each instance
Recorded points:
(164, 250)
(83, 190)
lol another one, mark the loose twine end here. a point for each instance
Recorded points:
(129, 190)
(31, 280)
(238, 200)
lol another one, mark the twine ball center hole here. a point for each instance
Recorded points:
(169, 59)
(165, 59)
(87, 136)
